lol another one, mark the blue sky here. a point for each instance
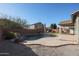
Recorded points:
(45, 13)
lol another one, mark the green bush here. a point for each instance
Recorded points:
(9, 35)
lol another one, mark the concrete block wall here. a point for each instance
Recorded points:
(1, 35)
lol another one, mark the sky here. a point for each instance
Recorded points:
(46, 13)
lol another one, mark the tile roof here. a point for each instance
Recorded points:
(66, 23)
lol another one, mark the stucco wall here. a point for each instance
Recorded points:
(77, 26)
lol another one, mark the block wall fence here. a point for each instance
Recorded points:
(21, 31)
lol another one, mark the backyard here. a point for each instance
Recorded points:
(40, 30)
(44, 46)
(8, 48)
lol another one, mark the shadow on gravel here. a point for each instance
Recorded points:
(50, 35)
(8, 48)
(36, 37)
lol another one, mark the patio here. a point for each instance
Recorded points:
(8, 48)
(61, 39)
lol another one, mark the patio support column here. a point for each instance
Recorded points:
(60, 29)
(77, 27)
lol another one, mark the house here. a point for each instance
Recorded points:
(36, 26)
(75, 20)
(48, 29)
(66, 27)
(71, 26)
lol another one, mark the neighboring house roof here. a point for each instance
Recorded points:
(36, 25)
(74, 14)
(66, 23)
(70, 22)
(39, 25)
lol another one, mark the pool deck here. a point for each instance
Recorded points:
(54, 41)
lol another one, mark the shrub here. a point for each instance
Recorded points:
(9, 35)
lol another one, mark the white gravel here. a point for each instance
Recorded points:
(8, 48)
(54, 41)
(66, 50)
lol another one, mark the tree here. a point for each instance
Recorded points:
(53, 26)
(8, 24)
(21, 21)
(12, 23)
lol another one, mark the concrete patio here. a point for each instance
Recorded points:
(8, 48)
(54, 41)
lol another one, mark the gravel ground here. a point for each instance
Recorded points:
(66, 50)
(12, 49)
